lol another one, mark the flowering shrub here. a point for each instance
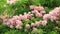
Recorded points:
(18, 21)
(29, 17)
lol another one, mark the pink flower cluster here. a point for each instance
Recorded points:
(37, 10)
(53, 15)
(38, 23)
(16, 21)
(34, 29)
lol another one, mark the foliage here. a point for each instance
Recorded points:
(22, 6)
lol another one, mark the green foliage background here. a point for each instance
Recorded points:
(22, 6)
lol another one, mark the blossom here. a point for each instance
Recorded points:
(29, 15)
(44, 22)
(26, 30)
(46, 16)
(52, 18)
(11, 26)
(42, 12)
(37, 23)
(35, 11)
(34, 30)
(18, 22)
(16, 17)
(32, 6)
(39, 8)
(27, 26)
(18, 27)
(32, 24)
(38, 15)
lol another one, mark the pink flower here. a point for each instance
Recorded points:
(40, 8)
(5, 20)
(44, 22)
(20, 16)
(46, 16)
(35, 11)
(18, 22)
(38, 15)
(32, 24)
(29, 16)
(32, 6)
(42, 12)
(26, 30)
(53, 18)
(37, 23)
(54, 13)
(11, 22)
(27, 26)
(24, 17)
(11, 26)
(34, 30)
(18, 27)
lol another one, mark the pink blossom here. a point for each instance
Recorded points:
(24, 17)
(26, 30)
(35, 11)
(46, 16)
(20, 16)
(37, 23)
(11, 22)
(53, 18)
(18, 22)
(32, 24)
(16, 17)
(27, 26)
(38, 15)
(32, 6)
(18, 27)
(54, 13)
(40, 8)
(34, 30)
(29, 16)
(42, 12)
(11, 26)
(5, 20)
(44, 22)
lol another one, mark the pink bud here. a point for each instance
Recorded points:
(32, 6)
(11, 26)
(44, 22)
(27, 26)
(46, 16)
(18, 22)
(18, 27)
(34, 30)
(32, 24)
(38, 15)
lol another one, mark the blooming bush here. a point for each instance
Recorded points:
(28, 17)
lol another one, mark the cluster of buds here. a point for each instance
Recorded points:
(38, 23)
(37, 10)
(53, 15)
(16, 21)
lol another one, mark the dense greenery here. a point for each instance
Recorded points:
(22, 6)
